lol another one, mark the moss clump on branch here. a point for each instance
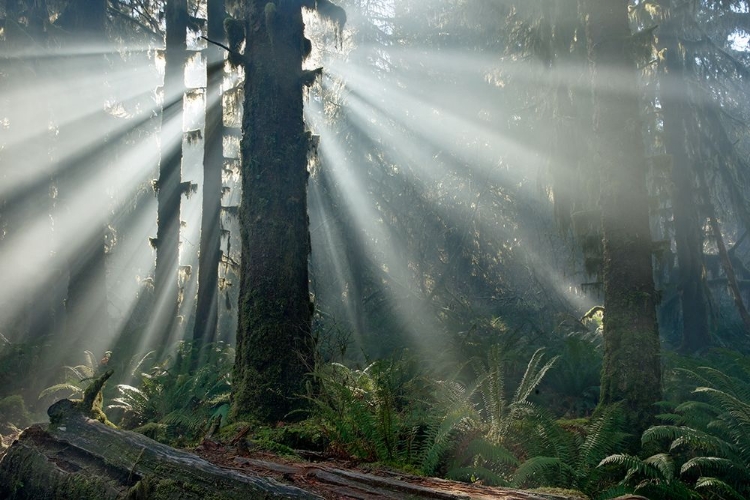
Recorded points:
(235, 30)
(90, 406)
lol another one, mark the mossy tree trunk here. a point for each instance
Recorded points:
(78, 458)
(206, 314)
(688, 230)
(274, 345)
(168, 210)
(631, 372)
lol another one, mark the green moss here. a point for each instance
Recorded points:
(153, 430)
(13, 412)
(561, 492)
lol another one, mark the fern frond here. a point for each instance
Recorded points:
(713, 465)
(664, 463)
(635, 465)
(537, 466)
(476, 473)
(604, 435)
(718, 487)
(687, 436)
(91, 359)
(533, 375)
(491, 452)
(671, 418)
(738, 409)
(72, 390)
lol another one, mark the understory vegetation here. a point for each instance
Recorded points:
(490, 419)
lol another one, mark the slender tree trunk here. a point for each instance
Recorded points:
(206, 314)
(168, 211)
(86, 304)
(631, 372)
(687, 225)
(726, 261)
(274, 345)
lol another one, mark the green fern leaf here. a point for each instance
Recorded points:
(719, 488)
(712, 465)
(72, 390)
(664, 463)
(536, 466)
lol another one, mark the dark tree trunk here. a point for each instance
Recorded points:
(274, 345)
(631, 371)
(206, 314)
(168, 211)
(687, 224)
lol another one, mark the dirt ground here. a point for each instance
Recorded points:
(340, 480)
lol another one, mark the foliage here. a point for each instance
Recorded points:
(574, 390)
(13, 414)
(75, 379)
(170, 394)
(484, 432)
(601, 436)
(705, 439)
(373, 414)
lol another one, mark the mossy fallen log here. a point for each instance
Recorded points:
(76, 457)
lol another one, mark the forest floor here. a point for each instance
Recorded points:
(336, 479)
(341, 480)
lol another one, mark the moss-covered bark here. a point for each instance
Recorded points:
(274, 347)
(76, 458)
(631, 371)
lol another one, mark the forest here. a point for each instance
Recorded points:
(502, 243)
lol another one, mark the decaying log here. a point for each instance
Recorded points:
(75, 457)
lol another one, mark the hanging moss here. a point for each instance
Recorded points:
(332, 12)
(235, 31)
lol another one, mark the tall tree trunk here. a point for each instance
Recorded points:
(206, 314)
(168, 211)
(86, 304)
(274, 345)
(631, 372)
(687, 224)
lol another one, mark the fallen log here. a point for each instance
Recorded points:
(76, 457)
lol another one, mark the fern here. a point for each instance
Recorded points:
(707, 447)
(64, 388)
(546, 467)
(718, 487)
(703, 465)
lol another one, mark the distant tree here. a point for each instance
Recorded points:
(631, 371)
(207, 308)
(86, 303)
(688, 230)
(168, 183)
(274, 345)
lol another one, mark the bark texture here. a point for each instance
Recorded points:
(274, 345)
(631, 371)
(206, 314)
(77, 458)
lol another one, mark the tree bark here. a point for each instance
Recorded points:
(206, 314)
(168, 211)
(274, 345)
(631, 372)
(77, 458)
